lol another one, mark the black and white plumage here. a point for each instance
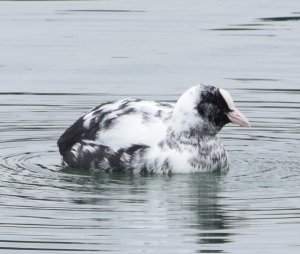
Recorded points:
(146, 136)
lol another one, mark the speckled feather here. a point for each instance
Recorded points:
(146, 136)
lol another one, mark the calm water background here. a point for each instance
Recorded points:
(59, 59)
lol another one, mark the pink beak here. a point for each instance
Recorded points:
(237, 117)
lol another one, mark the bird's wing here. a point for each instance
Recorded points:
(119, 125)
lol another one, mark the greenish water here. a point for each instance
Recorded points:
(60, 58)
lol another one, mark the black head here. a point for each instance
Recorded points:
(205, 109)
(212, 106)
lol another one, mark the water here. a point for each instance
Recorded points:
(59, 59)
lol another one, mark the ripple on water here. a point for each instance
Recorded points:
(55, 210)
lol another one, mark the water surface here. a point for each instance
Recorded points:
(60, 58)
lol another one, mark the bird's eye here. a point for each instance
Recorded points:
(206, 99)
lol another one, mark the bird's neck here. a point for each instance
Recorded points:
(192, 136)
(191, 128)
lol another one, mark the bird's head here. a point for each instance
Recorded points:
(206, 109)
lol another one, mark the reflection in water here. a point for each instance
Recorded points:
(213, 222)
(189, 201)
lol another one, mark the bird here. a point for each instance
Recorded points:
(148, 137)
